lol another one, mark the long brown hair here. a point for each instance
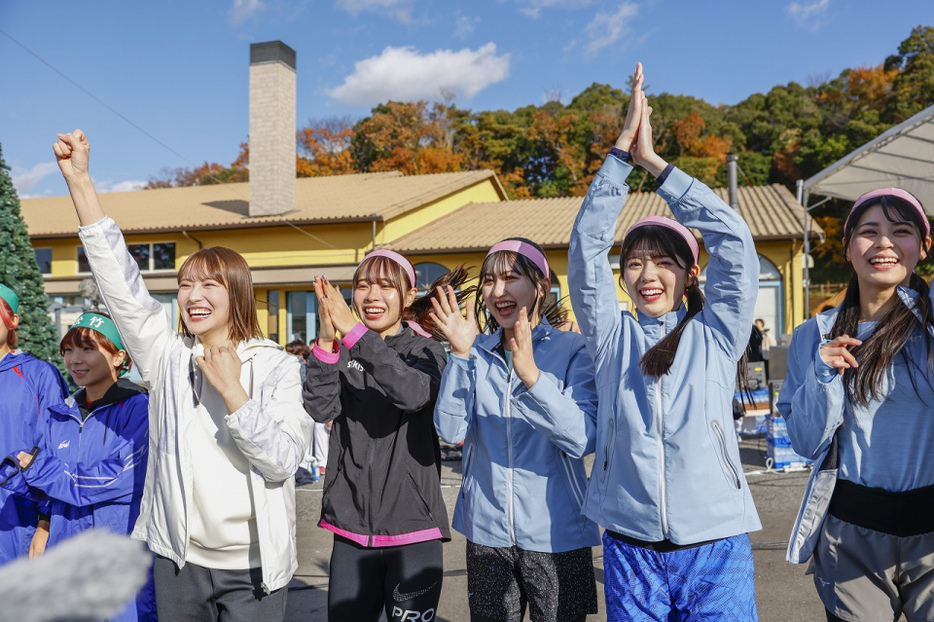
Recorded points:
(655, 241)
(502, 262)
(896, 327)
(231, 270)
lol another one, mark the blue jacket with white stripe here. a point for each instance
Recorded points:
(91, 468)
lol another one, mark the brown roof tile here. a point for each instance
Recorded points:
(772, 213)
(365, 196)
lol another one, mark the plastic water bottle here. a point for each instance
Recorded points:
(314, 471)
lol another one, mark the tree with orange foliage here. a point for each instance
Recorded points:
(324, 148)
(407, 137)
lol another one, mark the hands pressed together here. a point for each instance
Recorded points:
(636, 137)
(334, 313)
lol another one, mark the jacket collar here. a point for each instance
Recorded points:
(14, 358)
(120, 391)
(662, 325)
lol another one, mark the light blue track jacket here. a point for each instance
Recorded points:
(667, 463)
(524, 478)
(813, 402)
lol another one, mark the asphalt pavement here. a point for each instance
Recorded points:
(783, 592)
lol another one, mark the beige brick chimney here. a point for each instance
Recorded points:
(272, 128)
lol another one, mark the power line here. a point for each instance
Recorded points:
(95, 97)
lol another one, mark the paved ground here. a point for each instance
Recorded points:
(783, 591)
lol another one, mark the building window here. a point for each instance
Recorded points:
(149, 257)
(44, 260)
(426, 273)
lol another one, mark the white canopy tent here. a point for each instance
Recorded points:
(902, 157)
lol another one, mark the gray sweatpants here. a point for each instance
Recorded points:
(862, 574)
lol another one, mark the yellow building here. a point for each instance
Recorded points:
(335, 221)
(440, 221)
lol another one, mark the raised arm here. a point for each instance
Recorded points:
(144, 325)
(590, 276)
(733, 269)
(455, 403)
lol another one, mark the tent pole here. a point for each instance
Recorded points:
(807, 250)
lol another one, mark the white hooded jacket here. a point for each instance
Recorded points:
(271, 429)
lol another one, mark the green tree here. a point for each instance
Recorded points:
(19, 271)
(913, 87)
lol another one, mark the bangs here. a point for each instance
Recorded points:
(384, 271)
(895, 210)
(203, 265)
(83, 337)
(654, 242)
(502, 263)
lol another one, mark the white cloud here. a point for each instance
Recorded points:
(24, 180)
(403, 74)
(126, 186)
(464, 26)
(398, 9)
(808, 15)
(533, 8)
(605, 29)
(242, 10)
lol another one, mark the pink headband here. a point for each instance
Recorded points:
(526, 250)
(891, 192)
(668, 223)
(399, 259)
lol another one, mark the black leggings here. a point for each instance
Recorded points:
(405, 581)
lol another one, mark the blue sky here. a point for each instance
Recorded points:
(165, 83)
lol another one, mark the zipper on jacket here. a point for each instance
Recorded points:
(465, 464)
(572, 479)
(511, 509)
(606, 449)
(663, 511)
(726, 456)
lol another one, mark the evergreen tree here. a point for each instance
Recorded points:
(19, 271)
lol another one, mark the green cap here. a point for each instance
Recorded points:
(101, 324)
(10, 296)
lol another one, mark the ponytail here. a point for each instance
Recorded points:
(419, 311)
(659, 358)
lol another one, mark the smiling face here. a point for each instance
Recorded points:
(204, 305)
(380, 294)
(506, 289)
(884, 248)
(92, 364)
(653, 276)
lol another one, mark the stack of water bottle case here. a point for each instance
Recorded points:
(779, 451)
